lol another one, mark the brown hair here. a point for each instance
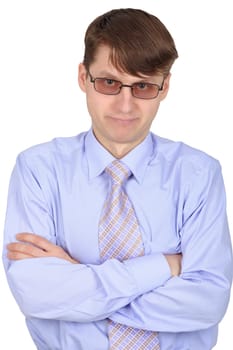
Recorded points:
(139, 42)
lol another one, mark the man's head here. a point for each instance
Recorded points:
(125, 75)
(138, 41)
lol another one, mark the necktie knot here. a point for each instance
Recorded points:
(118, 171)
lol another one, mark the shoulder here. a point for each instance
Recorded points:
(188, 159)
(50, 154)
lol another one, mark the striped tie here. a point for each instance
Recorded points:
(120, 238)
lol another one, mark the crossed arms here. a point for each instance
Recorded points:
(34, 246)
(154, 291)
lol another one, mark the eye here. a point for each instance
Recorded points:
(142, 86)
(110, 82)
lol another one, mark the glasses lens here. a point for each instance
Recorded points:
(107, 86)
(145, 90)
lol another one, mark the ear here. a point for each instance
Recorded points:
(165, 90)
(82, 77)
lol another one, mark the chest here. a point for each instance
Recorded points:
(79, 207)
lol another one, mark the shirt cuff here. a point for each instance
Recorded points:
(149, 271)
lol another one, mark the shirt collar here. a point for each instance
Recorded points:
(137, 160)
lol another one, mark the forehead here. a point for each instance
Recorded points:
(103, 67)
(102, 62)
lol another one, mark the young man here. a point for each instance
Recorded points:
(144, 264)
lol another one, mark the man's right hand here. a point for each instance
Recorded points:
(174, 262)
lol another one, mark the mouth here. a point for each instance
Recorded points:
(123, 120)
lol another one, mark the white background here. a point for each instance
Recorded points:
(41, 45)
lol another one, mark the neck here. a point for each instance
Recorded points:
(119, 151)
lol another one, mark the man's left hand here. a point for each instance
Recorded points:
(30, 245)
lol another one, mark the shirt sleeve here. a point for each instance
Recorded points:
(137, 292)
(198, 298)
(53, 288)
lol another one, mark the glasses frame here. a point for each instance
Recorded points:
(93, 80)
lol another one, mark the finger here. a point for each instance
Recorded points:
(26, 249)
(14, 255)
(34, 239)
(18, 250)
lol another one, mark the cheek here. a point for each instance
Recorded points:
(150, 111)
(99, 105)
(93, 105)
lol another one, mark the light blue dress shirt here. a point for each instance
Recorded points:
(57, 190)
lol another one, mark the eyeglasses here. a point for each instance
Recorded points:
(143, 90)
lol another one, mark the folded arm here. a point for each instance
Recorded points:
(29, 245)
(83, 293)
(138, 292)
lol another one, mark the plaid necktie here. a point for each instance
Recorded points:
(120, 238)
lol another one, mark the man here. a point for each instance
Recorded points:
(78, 282)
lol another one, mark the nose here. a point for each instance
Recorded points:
(126, 99)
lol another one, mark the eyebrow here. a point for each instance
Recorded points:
(106, 74)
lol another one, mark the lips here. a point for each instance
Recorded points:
(120, 119)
